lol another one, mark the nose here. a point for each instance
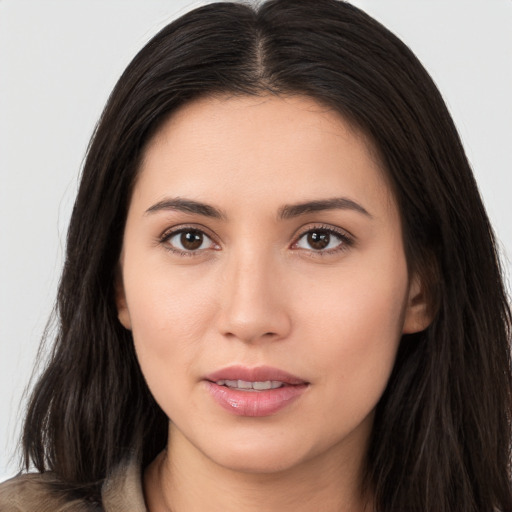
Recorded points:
(254, 305)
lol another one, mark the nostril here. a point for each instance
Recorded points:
(251, 313)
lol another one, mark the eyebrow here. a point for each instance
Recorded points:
(288, 211)
(187, 206)
(336, 203)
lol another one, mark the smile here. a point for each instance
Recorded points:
(250, 386)
(254, 392)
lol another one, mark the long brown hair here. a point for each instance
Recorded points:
(441, 439)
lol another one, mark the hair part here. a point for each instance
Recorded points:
(441, 439)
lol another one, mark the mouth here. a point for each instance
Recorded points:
(254, 392)
(264, 377)
(244, 385)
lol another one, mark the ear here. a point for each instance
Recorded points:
(122, 306)
(418, 314)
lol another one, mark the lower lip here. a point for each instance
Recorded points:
(255, 403)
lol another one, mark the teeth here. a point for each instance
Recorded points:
(250, 386)
(262, 385)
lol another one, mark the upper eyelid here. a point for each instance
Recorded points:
(336, 230)
(325, 227)
(347, 240)
(169, 232)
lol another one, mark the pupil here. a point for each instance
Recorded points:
(191, 240)
(318, 239)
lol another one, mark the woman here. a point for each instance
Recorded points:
(281, 289)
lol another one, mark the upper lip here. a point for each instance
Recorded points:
(256, 374)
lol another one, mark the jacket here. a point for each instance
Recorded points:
(121, 491)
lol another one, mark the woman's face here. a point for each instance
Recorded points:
(263, 250)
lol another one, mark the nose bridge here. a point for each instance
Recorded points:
(253, 304)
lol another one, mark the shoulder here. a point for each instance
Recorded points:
(36, 492)
(45, 492)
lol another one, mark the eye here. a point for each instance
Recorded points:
(188, 240)
(322, 240)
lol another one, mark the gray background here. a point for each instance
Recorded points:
(58, 62)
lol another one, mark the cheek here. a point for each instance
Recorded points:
(169, 315)
(354, 335)
(167, 305)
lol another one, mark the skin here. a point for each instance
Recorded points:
(256, 292)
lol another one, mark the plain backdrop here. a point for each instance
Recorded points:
(59, 59)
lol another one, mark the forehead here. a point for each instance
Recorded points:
(267, 149)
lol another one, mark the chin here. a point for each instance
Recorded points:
(261, 454)
(259, 461)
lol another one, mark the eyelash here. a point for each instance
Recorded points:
(345, 240)
(167, 235)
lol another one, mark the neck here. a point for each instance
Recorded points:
(182, 479)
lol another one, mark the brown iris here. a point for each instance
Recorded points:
(318, 239)
(191, 240)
